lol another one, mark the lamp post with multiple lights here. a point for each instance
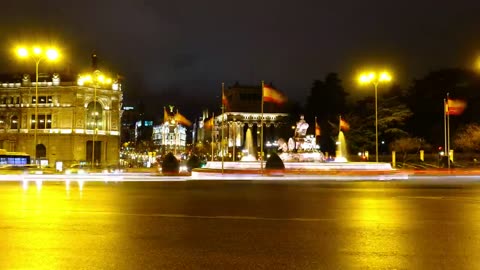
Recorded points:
(38, 54)
(375, 78)
(96, 79)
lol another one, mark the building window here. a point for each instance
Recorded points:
(43, 99)
(18, 100)
(11, 100)
(95, 116)
(2, 122)
(14, 122)
(44, 121)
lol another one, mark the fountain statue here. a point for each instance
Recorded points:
(249, 150)
(341, 154)
(302, 147)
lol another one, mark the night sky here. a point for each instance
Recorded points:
(179, 52)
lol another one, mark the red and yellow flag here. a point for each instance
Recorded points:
(166, 117)
(272, 95)
(317, 128)
(224, 100)
(209, 123)
(344, 125)
(182, 119)
(455, 106)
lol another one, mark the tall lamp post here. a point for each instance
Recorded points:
(38, 54)
(375, 78)
(96, 79)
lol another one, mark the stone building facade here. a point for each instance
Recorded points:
(68, 112)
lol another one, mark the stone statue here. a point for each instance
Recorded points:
(302, 126)
(301, 147)
(282, 145)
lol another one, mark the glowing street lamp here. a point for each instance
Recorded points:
(38, 54)
(96, 79)
(375, 78)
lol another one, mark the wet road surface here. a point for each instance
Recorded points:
(240, 225)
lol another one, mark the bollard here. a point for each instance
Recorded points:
(394, 163)
(450, 155)
(422, 155)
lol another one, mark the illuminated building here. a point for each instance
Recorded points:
(171, 135)
(242, 112)
(129, 117)
(136, 127)
(69, 119)
(143, 130)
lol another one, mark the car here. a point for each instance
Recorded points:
(85, 168)
(25, 169)
(77, 169)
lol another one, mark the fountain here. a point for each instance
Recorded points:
(299, 153)
(249, 149)
(302, 147)
(341, 154)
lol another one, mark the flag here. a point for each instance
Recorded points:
(182, 119)
(344, 125)
(224, 100)
(209, 123)
(166, 117)
(272, 95)
(317, 128)
(455, 106)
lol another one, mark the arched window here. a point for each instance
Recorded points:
(95, 116)
(14, 122)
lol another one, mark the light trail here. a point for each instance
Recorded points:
(146, 177)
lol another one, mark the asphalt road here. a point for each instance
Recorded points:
(240, 225)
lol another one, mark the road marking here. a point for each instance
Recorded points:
(210, 217)
(421, 197)
(464, 199)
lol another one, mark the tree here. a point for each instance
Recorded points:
(327, 100)
(468, 138)
(425, 99)
(393, 114)
(407, 145)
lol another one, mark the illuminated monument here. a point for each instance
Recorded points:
(300, 153)
(301, 147)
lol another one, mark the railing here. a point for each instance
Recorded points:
(62, 131)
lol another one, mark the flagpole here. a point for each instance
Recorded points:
(261, 134)
(316, 137)
(213, 125)
(445, 110)
(175, 137)
(339, 124)
(234, 135)
(448, 135)
(223, 117)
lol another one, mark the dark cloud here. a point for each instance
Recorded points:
(192, 46)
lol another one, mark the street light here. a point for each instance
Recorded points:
(375, 79)
(38, 54)
(96, 79)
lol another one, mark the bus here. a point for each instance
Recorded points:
(14, 158)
